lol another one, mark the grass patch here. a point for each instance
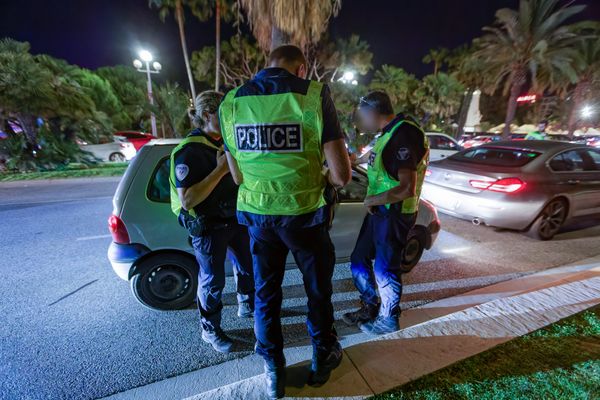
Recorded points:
(561, 361)
(74, 170)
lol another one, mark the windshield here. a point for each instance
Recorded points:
(497, 156)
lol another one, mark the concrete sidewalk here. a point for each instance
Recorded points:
(433, 336)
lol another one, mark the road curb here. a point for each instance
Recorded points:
(241, 377)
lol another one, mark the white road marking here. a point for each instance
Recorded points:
(93, 237)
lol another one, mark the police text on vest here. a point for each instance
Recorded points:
(270, 138)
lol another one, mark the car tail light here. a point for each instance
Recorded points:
(428, 172)
(118, 230)
(505, 185)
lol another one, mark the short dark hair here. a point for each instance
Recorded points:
(286, 55)
(377, 100)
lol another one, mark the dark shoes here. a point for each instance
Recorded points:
(367, 312)
(245, 310)
(275, 377)
(380, 325)
(323, 364)
(218, 340)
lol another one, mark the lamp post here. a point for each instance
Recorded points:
(146, 57)
(349, 78)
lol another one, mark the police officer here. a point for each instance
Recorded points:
(203, 196)
(540, 134)
(279, 128)
(397, 165)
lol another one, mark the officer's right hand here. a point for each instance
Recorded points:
(222, 165)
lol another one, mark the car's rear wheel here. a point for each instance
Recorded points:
(165, 281)
(550, 220)
(413, 250)
(117, 157)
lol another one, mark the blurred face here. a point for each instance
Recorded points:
(542, 127)
(368, 120)
(211, 123)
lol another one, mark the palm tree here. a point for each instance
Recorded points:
(437, 57)
(588, 73)
(399, 85)
(164, 8)
(301, 22)
(523, 43)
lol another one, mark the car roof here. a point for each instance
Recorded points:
(163, 142)
(534, 145)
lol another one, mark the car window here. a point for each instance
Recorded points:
(497, 156)
(446, 144)
(158, 187)
(433, 141)
(594, 165)
(568, 161)
(356, 190)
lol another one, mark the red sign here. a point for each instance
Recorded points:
(528, 98)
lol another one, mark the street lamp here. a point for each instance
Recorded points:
(349, 77)
(146, 57)
(587, 112)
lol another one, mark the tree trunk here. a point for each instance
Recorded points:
(511, 108)
(28, 125)
(278, 37)
(578, 97)
(217, 45)
(464, 112)
(180, 20)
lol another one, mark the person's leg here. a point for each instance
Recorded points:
(239, 251)
(391, 233)
(315, 256)
(268, 255)
(210, 250)
(361, 265)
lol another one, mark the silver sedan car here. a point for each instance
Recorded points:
(152, 252)
(522, 185)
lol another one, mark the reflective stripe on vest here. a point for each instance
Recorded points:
(175, 203)
(380, 181)
(276, 141)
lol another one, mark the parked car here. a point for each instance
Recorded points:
(533, 186)
(117, 150)
(441, 146)
(518, 136)
(154, 253)
(138, 139)
(481, 139)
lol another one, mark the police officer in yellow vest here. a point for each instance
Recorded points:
(540, 134)
(279, 129)
(203, 196)
(396, 169)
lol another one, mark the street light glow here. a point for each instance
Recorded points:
(348, 76)
(156, 65)
(587, 112)
(137, 64)
(145, 55)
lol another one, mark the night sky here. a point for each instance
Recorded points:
(94, 33)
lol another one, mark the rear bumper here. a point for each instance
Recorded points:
(503, 211)
(122, 257)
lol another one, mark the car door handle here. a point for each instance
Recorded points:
(573, 181)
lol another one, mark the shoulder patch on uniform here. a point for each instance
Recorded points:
(181, 171)
(403, 154)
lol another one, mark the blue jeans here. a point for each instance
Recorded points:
(315, 256)
(211, 249)
(382, 237)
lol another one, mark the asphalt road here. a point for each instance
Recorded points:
(70, 329)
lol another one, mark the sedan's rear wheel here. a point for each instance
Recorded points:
(165, 282)
(550, 220)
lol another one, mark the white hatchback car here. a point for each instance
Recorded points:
(154, 253)
(119, 150)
